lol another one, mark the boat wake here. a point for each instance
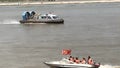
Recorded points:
(9, 21)
(108, 66)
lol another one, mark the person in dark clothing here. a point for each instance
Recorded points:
(27, 15)
(32, 15)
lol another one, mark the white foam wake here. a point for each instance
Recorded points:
(10, 21)
(108, 66)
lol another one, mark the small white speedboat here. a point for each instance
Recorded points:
(64, 63)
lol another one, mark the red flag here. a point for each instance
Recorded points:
(66, 51)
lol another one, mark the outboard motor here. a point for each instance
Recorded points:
(26, 15)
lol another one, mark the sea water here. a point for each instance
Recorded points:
(89, 29)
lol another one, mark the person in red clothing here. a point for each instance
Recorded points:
(90, 61)
(71, 58)
(77, 60)
(83, 61)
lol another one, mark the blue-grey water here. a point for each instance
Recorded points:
(89, 29)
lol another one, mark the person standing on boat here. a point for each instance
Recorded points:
(26, 15)
(32, 14)
(77, 60)
(90, 61)
(71, 59)
(83, 61)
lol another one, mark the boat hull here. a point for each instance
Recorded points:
(60, 21)
(56, 64)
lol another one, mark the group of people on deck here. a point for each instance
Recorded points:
(82, 61)
(29, 15)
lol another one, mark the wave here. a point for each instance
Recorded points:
(9, 21)
(109, 66)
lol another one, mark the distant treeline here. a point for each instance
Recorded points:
(23, 0)
(10, 0)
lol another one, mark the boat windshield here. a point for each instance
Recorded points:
(49, 17)
(43, 17)
(55, 17)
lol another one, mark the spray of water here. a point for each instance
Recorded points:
(9, 21)
(109, 66)
(12, 21)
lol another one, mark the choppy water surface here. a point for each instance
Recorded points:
(90, 29)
